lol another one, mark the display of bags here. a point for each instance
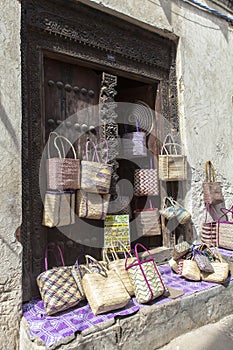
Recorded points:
(225, 230)
(172, 166)
(209, 229)
(95, 176)
(118, 265)
(62, 173)
(212, 191)
(172, 209)
(58, 288)
(59, 208)
(92, 205)
(146, 182)
(147, 221)
(145, 277)
(104, 290)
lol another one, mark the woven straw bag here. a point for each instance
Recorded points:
(104, 290)
(59, 208)
(134, 144)
(58, 288)
(145, 277)
(209, 229)
(95, 176)
(146, 182)
(118, 265)
(190, 270)
(172, 166)
(92, 205)
(174, 210)
(225, 230)
(62, 173)
(180, 250)
(147, 221)
(220, 274)
(212, 191)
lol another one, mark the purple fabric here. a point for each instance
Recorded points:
(53, 329)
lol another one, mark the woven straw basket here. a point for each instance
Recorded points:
(146, 182)
(92, 205)
(95, 177)
(225, 235)
(208, 234)
(134, 144)
(190, 270)
(212, 191)
(147, 222)
(59, 208)
(221, 271)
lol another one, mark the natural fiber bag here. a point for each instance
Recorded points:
(180, 250)
(172, 166)
(190, 270)
(173, 265)
(104, 290)
(212, 191)
(146, 181)
(59, 207)
(220, 274)
(174, 210)
(118, 265)
(145, 277)
(92, 205)
(202, 261)
(209, 229)
(225, 230)
(147, 221)
(58, 288)
(134, 143)
(62, 173)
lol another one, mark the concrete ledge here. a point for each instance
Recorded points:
(151, 327)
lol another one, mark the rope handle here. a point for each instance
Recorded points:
(64, 138)
(210, 174)
(49, 140)
(208, 206)
(164, 148)
(95, 154)
(226, 211)
(170, 200)
(46, 255)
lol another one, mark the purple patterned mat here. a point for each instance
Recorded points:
(55, 329)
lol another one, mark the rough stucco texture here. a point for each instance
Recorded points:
(10, 174)
(204, 82)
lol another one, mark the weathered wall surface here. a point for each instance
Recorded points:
(10, 174)
(204, 81)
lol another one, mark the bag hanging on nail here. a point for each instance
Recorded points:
(59, 208)
(171, 209)
(212, 191)
(134, 143)
(146, 182)
(225, 229)
(145, 277)
(172, 165)
(209, 228)
(95, 175)
(62, 173)
(58, 287)
(147, 221)
(92, 205)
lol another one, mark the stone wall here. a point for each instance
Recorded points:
(204, 82)
(10, 174)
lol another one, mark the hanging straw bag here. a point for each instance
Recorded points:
(95, 176)
(134, 143)
(174, 210)
(118, 265)
(225, 230)
(59, 208)
(172, 166)
(209, 229)
(92, 205)
(146, 181)
(212, 191)
(147, 221)
(58, 288)
(62, 173)
(145, 277)
(104, 290)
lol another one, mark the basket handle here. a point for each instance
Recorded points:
(49, 140)
(46, 255)
(64, 138)
(208, 206)
(164, 148)
(210, 174)
(226, 211)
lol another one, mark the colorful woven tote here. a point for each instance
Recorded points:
(212, 191)
(58, 288)
(145, 277)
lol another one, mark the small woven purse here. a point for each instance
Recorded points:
(58, 288)
(212, 191)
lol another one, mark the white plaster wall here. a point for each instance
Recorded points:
(10, 174)
(205, 84)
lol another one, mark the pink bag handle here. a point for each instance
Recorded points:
(226, 211)
(95, 154)
(46, 255)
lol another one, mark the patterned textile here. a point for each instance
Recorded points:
(55, 329)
